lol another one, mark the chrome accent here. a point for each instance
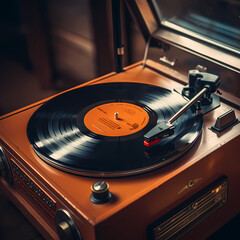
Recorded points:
(100, 192)
(65, 224)
(167, 61)
(116, 116)
(120, 51)
(146, 52)
(190, 184)
(188, 105)
(201, 68)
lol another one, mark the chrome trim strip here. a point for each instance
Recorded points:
(205, 51)
(146, 52)
(198, 36)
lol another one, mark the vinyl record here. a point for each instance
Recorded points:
(98, 130)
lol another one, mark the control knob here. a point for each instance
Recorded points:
(64, 231)
(100, 192)
(66, 227)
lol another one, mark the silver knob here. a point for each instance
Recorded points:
(100, 192)
(66, 228)
(64, 231)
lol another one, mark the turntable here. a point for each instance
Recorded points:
(137, 154)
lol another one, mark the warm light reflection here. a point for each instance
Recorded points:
(60, 137)
(68, 147)
(193, 137)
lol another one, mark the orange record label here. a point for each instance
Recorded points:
(116, 119)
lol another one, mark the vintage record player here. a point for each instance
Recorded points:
(145, 152)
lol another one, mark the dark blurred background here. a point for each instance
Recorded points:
(50, 45)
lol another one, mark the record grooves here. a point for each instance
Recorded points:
(77, 131)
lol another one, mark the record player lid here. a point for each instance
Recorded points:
(209, 30)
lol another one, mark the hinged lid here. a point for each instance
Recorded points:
(186, 34)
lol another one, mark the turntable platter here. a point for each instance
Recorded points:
(98, 130)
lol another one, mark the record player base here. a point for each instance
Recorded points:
(138, 201)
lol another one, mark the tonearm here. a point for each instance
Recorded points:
(205, 84)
